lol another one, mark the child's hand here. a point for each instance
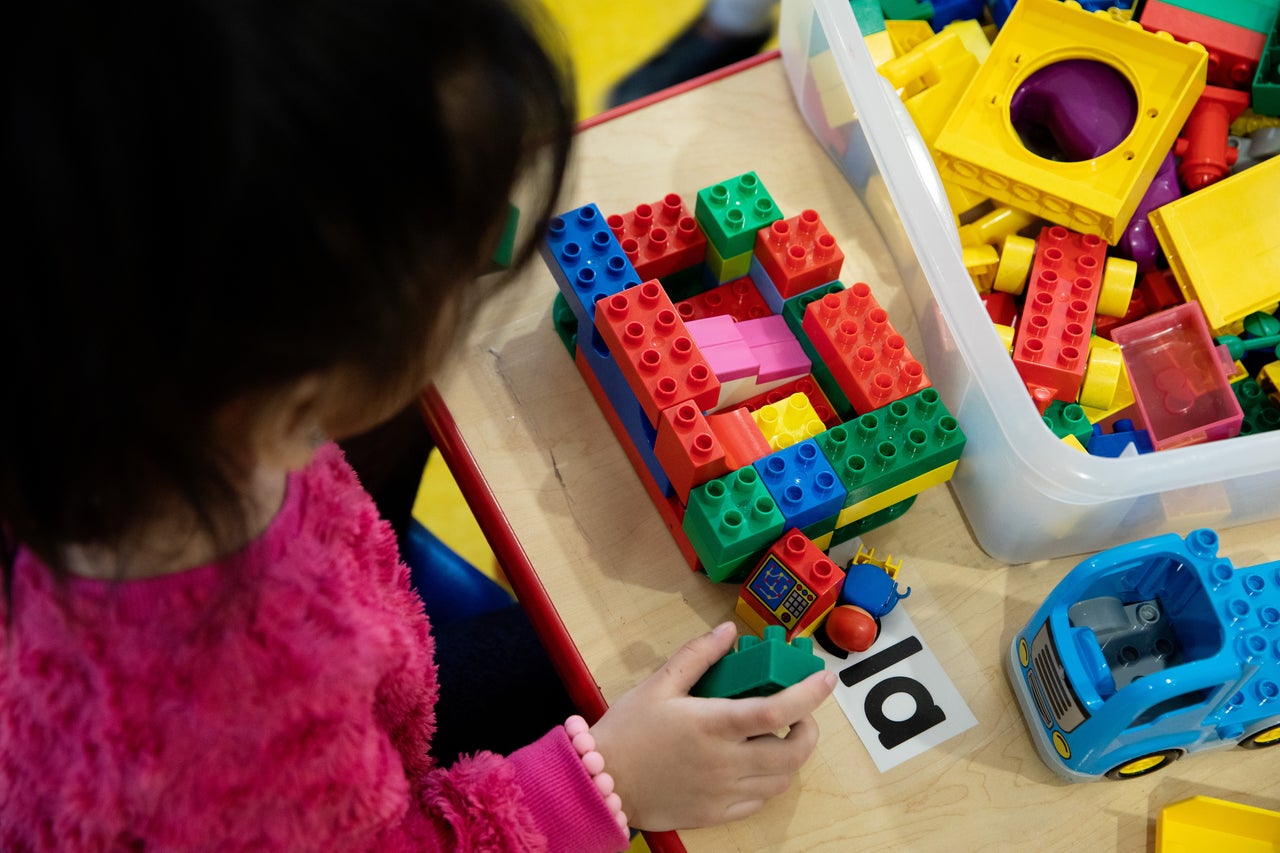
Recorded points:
(680, 762)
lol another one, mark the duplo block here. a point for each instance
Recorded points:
(687, 449)
(803, 484)
(759, 667)
(730, 520)
(738, 299)
(732, 211)
(794, 586)
(788, 421)
(659, 239)
(798, 254)
(586, 260)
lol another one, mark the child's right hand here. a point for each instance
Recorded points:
(680, 762)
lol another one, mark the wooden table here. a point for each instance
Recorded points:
(535, 456)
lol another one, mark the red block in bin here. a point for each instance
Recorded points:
(798, 254)
(660, 238)
(687, 449)
(867, 358)
(654, 350)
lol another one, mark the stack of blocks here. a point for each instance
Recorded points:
(752, 391)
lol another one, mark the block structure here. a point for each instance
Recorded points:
(759, 666)
(730, 520)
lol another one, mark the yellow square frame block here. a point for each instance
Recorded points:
(1223, 245)
(980, 149)
(891, 496)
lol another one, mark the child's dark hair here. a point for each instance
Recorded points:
(207, 199)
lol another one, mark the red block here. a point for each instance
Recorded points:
(795, 586)
(687, 449)
(806, 385)
(867, 358)
(1001, 307)
(738, 299)
(1051, 346)
(742, 440)
(654, 350)
(669, 507)
(1160, 290)
(660, 238)
(1204, 154)
(798, 254)
(1234, 51)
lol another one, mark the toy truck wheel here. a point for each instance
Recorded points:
(1262, 739)
(1144, 765)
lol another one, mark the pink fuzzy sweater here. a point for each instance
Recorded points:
(280, 701)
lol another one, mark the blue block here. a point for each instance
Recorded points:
(802, 483)
(586, 260)
(1112, 444)
(946, 11)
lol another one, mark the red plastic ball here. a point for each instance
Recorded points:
(851, 628)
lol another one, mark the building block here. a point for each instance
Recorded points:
(759, 667)
(732, 211)
(905, 440)
(803, 484)
(798, 254)
(1261, 413)
(654, 350)
(794, 587)
(1067, 419)
(1233, 51)
(981, 263)
(660, 238)
(1102, 375)
(775, 349)
(719, 269)
(993, 228)
(1208, 823)
(565, 323)
(1001, 308)
(687, 449)
(788, 421)
(722, 345)
(1266, 81)
(793, 311)
(730, 520)
(501, 258)
(1123, 435)
(586, 260)
(806, 385)
(1254, 15)
(934, 74)
(979, 149)
(738, 299)
(858, 511)
(1179, 381)
(1204, 152)
(1051, 346)
(738, 434)
(879, 518)
(1228, 262)
(867, 358)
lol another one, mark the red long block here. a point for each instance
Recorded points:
(660, 238)
(654, 350)
(687, 449)
(867, 358)
(1051, 345)
(798, 254)
(738, 298)
(669, 508)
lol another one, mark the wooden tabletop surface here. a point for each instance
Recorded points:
(628, 599)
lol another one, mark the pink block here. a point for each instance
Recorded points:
(1179, 382)
(722, 345)
(776, 349)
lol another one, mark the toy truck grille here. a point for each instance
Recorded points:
(1055, 699)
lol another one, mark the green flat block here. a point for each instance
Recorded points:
(878, 518)
(565, 322)
(759, 667)
(1068, 419)
(906, 10)
(1261, 414)
(1256, 15)
(731, 519)
(893, 444)
(731, 212)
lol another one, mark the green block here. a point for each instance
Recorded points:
(565, 322)
(1266, 81)
(760, 667)
(731, 212)
(906, 10)
(507, 242)
(1256, 15)
(893, 444)
(870, 522)
(1068, 419)
(1261, 414)
(868, 15)
(730, 520)
(684, 283)
(793, 312)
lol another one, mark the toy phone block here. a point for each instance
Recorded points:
(794, 587)
(979, 148)
(1179, 381)
(654, 350)
(759, 667)
(731, 212)
(586, 260)
(788, 421)
(1207, 823)
(867, 358)
(660, 238)
(1223, 245)
(738, 299)
(891, 446)
(730, 520)
(687, 449)
(1233, 50)
(798, 254)
(803, 484)
(806, 385)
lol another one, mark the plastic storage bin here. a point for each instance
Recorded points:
(1026, 495)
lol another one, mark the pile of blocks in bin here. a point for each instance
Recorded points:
(1113, 180)
(770, 411)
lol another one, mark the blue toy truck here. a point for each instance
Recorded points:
(1147, 652)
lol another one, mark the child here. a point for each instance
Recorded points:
(235, 231)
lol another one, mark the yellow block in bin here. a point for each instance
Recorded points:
(980, 149)
(889, 497)
(981, 263)
(1200, 824)
(1074, 443)
(1102, 374)
(1223, 245)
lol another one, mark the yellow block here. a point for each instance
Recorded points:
(788, 421)
(1223, 245)
(1101, 374)
(889, 497)
(979, 148)
(1206, 823)
(727, 269)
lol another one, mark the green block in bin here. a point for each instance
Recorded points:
(760, 667)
